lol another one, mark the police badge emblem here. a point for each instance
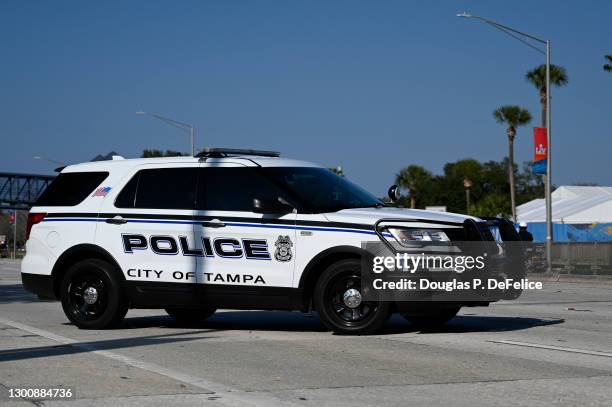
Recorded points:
(283, 248)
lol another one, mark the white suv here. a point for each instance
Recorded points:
(233, 229)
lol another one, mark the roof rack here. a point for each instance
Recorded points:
(226, 152)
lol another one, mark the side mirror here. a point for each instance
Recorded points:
(278, 206)
(394, 193)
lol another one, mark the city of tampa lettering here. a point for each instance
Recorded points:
(207, 277)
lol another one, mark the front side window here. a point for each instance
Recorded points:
(160, 188)
(321, 190)
(233, 189)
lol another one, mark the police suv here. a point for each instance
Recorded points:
(231, 229)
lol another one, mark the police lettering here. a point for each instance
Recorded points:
(134, 242)
(224, 247)
(164, 245)
(228, 247)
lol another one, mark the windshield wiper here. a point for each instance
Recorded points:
(376, 205)
(330, 209)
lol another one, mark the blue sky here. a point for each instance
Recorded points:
(371, 86)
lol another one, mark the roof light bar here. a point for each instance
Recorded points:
(226, 152)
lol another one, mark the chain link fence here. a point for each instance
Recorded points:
(574, 258)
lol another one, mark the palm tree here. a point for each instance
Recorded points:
(414, 178)
(608, 66)
(537, 77)
(512, 116)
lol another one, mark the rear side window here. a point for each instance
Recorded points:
(70, 188)
(160, 188)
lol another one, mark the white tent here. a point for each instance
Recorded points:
(571, 204)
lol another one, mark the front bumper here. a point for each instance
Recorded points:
(501, 261)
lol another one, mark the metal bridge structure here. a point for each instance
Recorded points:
(20, 191)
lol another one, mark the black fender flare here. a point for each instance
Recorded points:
(77, 253)
(320, 262)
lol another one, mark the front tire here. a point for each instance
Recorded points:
(337, 299)
(91, 295)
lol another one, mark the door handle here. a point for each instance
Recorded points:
(117, 220)
(215, 223)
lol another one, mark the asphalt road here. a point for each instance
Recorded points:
(549, 347)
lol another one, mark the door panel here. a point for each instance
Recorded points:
(147, 233)
(242, 247)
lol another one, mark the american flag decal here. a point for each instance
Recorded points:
(101, 191)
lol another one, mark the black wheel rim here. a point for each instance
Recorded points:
(88, 296)
(336, 303)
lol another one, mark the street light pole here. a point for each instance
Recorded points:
(183, 126)
(548, 181)
(524, 38)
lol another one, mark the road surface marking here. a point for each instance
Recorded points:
(228, 395)
(559, 348)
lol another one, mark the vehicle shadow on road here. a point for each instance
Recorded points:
(106, 344)
(238, 321)
(10, 293)
(284, 321)
(472, 323)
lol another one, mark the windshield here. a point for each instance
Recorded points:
(321, 189)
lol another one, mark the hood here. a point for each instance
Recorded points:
(368, 216)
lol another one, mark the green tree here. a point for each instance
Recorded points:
(414, 178)
(495, 177)
(150, 153)
(585, 184)
(608, 65)
(512, 117)
(537, 77)
(529, 186)
(451, 189)
(489, 183)
(491, 205)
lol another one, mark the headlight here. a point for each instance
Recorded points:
(405, 236)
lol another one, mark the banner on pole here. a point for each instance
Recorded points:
(540, 155)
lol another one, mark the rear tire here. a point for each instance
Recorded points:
(337, 299)
(190, 315)
(432, 319)
(91, 295)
